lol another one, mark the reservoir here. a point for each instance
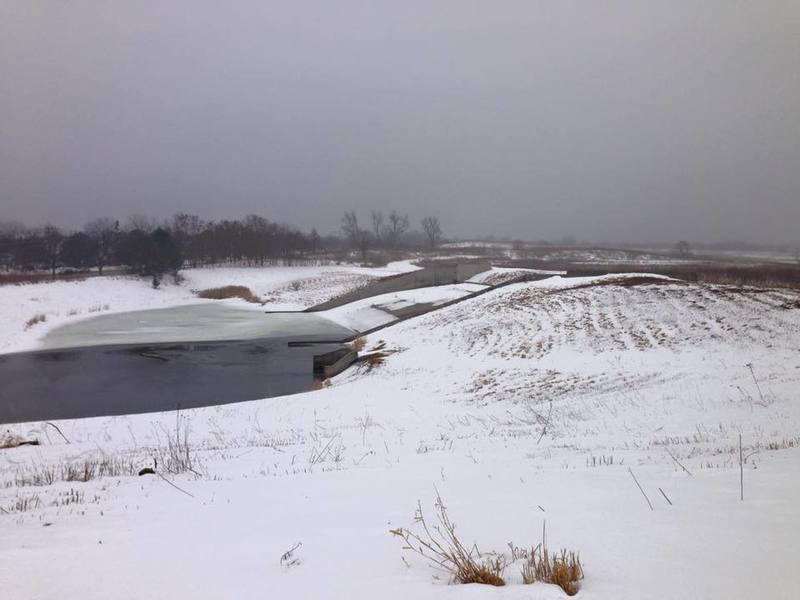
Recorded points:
(155, 360)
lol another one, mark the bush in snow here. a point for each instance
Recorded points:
(439, 544)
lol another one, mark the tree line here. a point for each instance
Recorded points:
(391, 232)
(146, 247)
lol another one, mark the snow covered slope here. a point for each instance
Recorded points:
(527, 404)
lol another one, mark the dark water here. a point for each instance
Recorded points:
(136, 378)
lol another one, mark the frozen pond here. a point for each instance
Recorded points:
(193, 323)
(153, 360)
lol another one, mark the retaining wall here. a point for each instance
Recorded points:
(444, 274)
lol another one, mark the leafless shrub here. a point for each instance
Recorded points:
(563, 569)
(229, 291)
(37, 318)
(439, 544)
(176, 456)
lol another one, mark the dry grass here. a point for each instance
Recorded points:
(69, 497)
(23, 278)
(230, 291)
(782, 444)
(176, 456)
(373, 360)
(358, 344)
(11, 440)
(439, 544)
(83, 470)
(22, 504)
(37, 318)
(320, 384)
(563, 569)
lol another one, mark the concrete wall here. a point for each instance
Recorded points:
(332, 363)
(437, 274)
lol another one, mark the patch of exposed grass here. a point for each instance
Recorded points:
(80, 471)
(320, 384)
(11, 440)
(37, 318)
(375, 360)
(563, 568)
(21, 504)
(72, 496)
(439, 544)
(230, 291)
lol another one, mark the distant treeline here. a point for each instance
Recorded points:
(153, 249)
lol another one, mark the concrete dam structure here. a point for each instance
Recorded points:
(439, 273)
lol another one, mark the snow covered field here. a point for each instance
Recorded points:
(526, 404)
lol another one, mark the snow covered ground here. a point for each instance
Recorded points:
(368, 313)
(498, 275)
(527, 404)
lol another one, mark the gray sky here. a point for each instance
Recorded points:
(599, 119)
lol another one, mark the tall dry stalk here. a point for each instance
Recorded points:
(563, 569)
(439, 544)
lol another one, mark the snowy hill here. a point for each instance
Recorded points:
(534, 402)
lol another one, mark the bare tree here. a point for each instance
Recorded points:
(185, 228)
(377, 225)
(432, 229)
(365, 239)
(142, 223)
(351, 229)
(12, 229)
(683, 248)
(103, 233)
(186, 224)
(397, 227)
(53, 240)
(314, 240)
(11, 233)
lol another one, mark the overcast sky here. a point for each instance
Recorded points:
(603, 120)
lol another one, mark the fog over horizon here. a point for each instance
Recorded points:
(625, 121)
